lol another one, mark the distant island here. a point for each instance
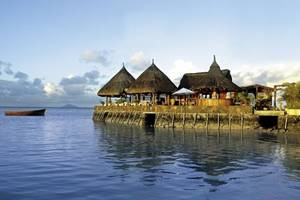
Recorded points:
(69, 106)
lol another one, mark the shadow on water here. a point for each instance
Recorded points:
(195, 155)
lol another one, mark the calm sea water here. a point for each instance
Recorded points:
(65, 155)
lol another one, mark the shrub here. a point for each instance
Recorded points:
(292, 95)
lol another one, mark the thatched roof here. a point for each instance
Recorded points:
(215, 78)
(118, 84)
(152, 80)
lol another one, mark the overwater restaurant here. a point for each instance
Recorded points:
(211, 88)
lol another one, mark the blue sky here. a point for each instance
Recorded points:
(57, 40)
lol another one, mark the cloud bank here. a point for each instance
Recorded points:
(267, 75)
(20, 90)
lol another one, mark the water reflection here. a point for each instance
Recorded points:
(209, 158)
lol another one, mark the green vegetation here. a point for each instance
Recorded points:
(292, 95)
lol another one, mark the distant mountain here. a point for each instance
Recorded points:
(69, 106)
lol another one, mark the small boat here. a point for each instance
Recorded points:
(40, 112)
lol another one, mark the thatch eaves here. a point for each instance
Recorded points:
(118, 84)
(215, 78)
(152, 80)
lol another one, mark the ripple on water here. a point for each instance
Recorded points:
(67, 156)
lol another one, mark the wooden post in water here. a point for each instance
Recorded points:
(123, 118)
(183, 120)
(242, 121)
(107, 116)
(173, 118)
(195, 120)
(128, 118)
(99, 116)
(156, 119)
(229, 121)
(207, 121)
(218, 121)
(286, 123)
(140, 118)
(134, 116)
(112, 116)
(117, 115)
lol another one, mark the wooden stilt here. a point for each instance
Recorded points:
(173, 118)
(207, 121)
(140, 118)
(183, 120)
(122, 117)
(156, 119)
(107, 117)
(132, 121)
(195, 120)
(218, 121)
(128, 118)
(286, 123)
(112, 116)
(242, 121)
(229, 121)
(117, 115)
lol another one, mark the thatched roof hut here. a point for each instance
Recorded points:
(214, 79)
(152, 80)
(118, 84)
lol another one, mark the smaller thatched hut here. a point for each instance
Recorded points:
(117, 85)
(152, 86)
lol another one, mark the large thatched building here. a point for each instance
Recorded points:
(214, 84)
(152, 86)
(117, 85)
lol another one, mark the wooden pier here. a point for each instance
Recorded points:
(194, 117)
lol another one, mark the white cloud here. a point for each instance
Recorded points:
(268, 74)
(97, 56)
(138, 62)
(181, 67)
(52, 89)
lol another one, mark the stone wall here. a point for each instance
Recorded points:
(181, 120)
(235, 117)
